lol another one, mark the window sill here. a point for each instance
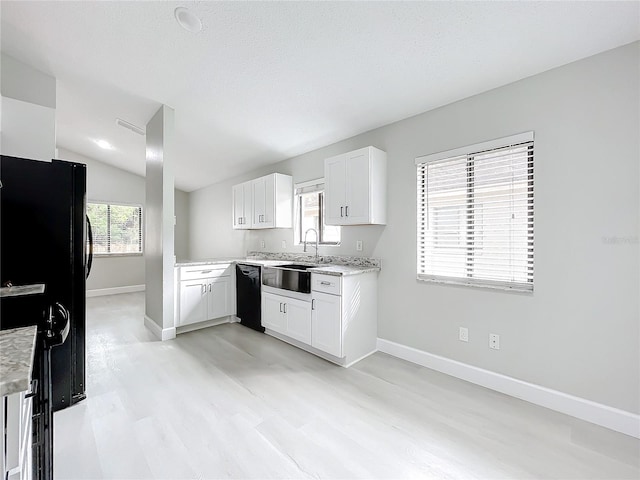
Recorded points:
(484, 286)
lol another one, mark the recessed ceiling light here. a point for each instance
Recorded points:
(187, 19)
(104, 144)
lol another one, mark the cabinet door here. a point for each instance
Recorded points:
(268, 219)
(259, 202)
(247, 190)
(298, 314)
(326, 323)
(334, 190)
(242, 205)
(264, 199)
(273, 317)
(238, 206)
(193, 301)
(357, 187)
(218, 297)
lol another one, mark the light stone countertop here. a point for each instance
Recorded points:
(17, 347)
(19, 290)
(329, 269)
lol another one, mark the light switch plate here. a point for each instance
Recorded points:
(359, 245)
(262, 244)
(284, 244)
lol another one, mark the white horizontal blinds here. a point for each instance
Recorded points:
(117, 229)
(97, 213)
(310, 187)
(475, 217)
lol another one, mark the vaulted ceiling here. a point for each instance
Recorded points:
(265, 81)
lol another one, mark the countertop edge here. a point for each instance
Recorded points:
(323, 269)
(23, 383)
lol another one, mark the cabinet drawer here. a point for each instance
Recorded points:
(326, 283)
(205, 271)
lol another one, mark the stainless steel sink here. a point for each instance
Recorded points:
(293, 277)
(296, 266)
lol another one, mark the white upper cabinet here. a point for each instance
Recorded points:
(273, 201)
(266, 202)
(356, 188)
(242, 205)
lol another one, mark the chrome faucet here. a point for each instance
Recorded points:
(305, 241)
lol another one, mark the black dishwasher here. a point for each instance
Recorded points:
(248, 296)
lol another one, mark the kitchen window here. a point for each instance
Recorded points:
(475, 215)
(309, 208)
(116, 228)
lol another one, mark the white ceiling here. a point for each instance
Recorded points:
(265, 81)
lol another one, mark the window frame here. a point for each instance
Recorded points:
(469, 154)
(298, 234)
(141, 227)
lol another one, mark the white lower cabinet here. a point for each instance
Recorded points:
(326, 323)
(272, 316)
(298, 314)
(337, 321)
(287, 316)
(16, 454)
(193, 304)
(205, 293)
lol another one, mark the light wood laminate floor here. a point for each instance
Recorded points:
(228, 402)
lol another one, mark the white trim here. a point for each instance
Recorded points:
(98, 292)
(478, 147)
(206, 324)
(162, 334)
(603, 415)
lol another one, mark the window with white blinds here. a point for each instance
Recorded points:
(475, 214)
(117, 229)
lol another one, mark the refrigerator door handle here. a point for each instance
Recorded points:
(90, 255)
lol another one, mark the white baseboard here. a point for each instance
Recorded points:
(98, 292)
(207, 323)
(603, 415)
(160, 333)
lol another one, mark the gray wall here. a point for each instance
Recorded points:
(579, 331)
(28, 111)
(109, 184)
(181, 232)
(159, 224)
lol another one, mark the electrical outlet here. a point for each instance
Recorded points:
(284, 244)
(494, 341)
(463, 334)
(262, 244)
(359, 245)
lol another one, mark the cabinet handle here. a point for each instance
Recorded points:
(346, 211)
(280, 307)
(313, 304)
(203, 289)
(205, 271)
(325, 283)
(285, 308)
(210, 287)
(341, 210)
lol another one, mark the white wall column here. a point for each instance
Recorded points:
(28, 122)
(159, 225)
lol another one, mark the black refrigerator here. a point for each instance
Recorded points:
(43, 240)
